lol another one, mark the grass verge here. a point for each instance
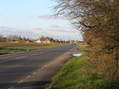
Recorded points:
(72, 76)
(4, 50)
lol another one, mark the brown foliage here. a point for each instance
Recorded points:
(99, 22)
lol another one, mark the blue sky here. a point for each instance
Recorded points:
(34, 16)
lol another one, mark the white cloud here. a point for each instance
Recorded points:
(52, 17)
(55, 31)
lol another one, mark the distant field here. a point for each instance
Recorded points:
(6, 47)
(11, 44)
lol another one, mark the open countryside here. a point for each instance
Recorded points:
(59, 44)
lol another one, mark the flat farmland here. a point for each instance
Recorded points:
(7, 47)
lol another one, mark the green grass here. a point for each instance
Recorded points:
(4, 50)
(71, 77)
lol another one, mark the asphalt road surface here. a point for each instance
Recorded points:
(16, 66)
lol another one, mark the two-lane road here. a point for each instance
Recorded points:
(16, 66)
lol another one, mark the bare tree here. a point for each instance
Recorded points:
(99, 22)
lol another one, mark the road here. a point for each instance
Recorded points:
(17, 66)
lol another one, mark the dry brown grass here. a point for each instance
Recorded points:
(12, 44)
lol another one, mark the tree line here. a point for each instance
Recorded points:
(13, 38)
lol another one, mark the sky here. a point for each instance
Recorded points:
(34, 18)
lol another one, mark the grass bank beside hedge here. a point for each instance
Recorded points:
(72, 77)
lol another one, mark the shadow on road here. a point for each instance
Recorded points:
(24, 85)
